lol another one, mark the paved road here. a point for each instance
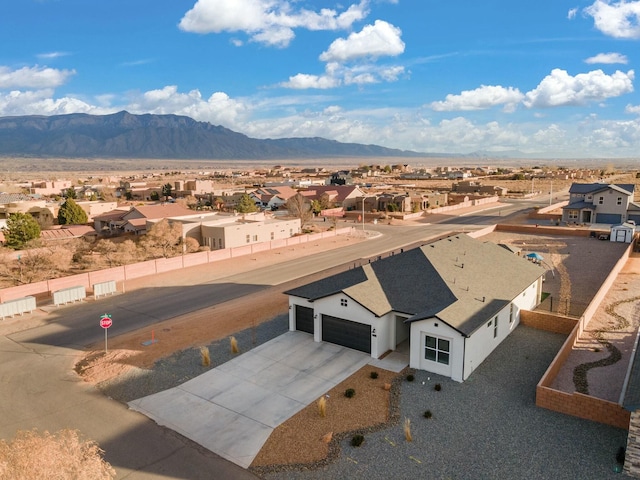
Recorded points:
(39, 388)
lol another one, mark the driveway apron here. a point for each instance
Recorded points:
(232, 409)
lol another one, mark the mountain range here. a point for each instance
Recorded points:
(124, 135)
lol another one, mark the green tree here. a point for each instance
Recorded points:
(155, 196)
(166, 191)
(70, 193)
(246, 205)
(71, 213)
(21, 228)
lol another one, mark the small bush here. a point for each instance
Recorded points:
(357, 440)
(373, 375)
(407, 430)
(234, 345)
(205, 357)
(410, 378)
(349, 393)
(322, 407)
(427, 414)
(437, 387)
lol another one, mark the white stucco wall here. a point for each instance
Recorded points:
(354, 312)
(436, 328)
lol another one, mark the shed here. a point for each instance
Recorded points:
(623, 232)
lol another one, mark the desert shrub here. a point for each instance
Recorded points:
(427, 414)
(407, 430)
(437, 387)
(62, 454)
(373, 375)
(322, 407)
(205, 356)
(357, 440)
(349, 393)
(234, 345)
(410, 378)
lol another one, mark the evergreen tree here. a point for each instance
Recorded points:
(71, 213)
(246, 205)
(20, 229)
(70, 193)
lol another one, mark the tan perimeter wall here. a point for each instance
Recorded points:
(43, 290)
(577, 404)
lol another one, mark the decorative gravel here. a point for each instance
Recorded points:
(184, 365)
(485, 428)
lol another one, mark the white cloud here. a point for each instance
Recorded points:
(218, 109)
(560, 89)
(337, 75)
(632, 109)
(52, 55)
(377, 40)
(40, 102)
(608, 58)
(484, 97)
(33, 77)
(271, 22)
(571, 14)
(619, 19)
(303, 81)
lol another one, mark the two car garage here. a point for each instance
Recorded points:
(335, 330)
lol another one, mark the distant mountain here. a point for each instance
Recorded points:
(123, 135)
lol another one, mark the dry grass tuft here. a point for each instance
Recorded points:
(387, 387)
(205, 356)
(62, 454)
(328, 437)
(407, 430)
(322, 407)
(234, 345)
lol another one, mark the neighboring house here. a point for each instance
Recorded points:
(272, 198)
(44, 212)
(601, 203)
(134, 219)
(344, 196)
(454, 300)
(66, 232)
(471, 187)
(232, 232)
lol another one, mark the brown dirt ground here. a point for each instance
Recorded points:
(302, 438)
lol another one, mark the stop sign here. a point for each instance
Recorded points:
(105, 321)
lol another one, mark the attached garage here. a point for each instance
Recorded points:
(613, 218)
(346, 333)
(304, 319)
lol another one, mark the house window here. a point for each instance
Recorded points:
(511, 312)
(619, 201)
(219, 243)
(573, 214)
(495, 327)
(248, 238)
(600, 200)
(343, 302)
(437, 349)
(273, 235)
(255, 238)
(490, 323)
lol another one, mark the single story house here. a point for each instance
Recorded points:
(453, 300)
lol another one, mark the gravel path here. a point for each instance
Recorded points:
(485, 428)
(184, 365)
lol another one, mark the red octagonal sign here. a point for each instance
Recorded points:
(105, 321)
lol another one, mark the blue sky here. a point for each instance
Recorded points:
(549, 78)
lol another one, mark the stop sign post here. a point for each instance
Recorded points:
(105, 323)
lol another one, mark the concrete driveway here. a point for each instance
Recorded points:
(232, 409)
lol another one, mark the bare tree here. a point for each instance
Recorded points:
(163, 239)
(116, 254)
(63, 454)
(299, 207)
(30, 266)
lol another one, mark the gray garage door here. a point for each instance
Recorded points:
(346, 333)
(612, 218)
(304, 319)
(635, 218)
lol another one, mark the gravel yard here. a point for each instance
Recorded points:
(485, 428)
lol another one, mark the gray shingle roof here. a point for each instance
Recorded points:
(584, 188)
(460, 280)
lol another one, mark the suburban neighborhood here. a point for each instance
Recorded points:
(549, 255)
